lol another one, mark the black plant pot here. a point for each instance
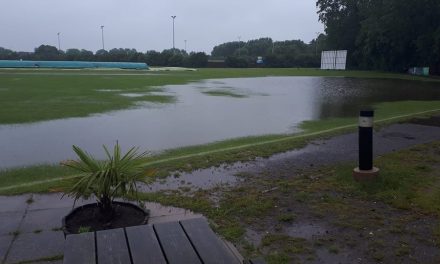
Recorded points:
(88, 215)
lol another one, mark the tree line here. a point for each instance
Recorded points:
(288, 53)
(168, 57)
(391, 35)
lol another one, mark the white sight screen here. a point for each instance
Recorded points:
(334, 60)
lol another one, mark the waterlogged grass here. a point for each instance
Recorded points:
(226, 93)
(32, 98)
(36, 95)
(233, 209)
(217, 153)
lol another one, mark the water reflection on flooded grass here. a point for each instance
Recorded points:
(270, 105)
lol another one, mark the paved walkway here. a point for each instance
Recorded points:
(30, 225)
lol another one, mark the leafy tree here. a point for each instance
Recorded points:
(47, 52)
(154, 58)
(236, 62)
(197, 60)
(383, 34)
(226, 49)
(7, 54)
(86, 55)
(73, 54)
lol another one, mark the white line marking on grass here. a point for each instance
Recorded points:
(227, 149)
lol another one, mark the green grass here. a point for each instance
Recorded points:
(37, 95)
(408, 179)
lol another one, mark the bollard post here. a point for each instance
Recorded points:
(365, 171)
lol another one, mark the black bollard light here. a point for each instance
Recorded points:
(365, 171)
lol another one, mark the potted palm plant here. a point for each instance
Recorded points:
(105, 180)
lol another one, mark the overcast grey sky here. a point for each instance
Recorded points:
(147, 25)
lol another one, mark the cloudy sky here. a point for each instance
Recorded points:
(147, 25)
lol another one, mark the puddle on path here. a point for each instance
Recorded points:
(254, 237)
(306, 230)
(199, 179)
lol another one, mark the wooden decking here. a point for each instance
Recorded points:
(186, 241)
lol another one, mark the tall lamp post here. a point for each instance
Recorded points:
(173, 17)
(102, 37)
(59, 42)
(185, 45)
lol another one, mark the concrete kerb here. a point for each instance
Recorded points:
(232, 148)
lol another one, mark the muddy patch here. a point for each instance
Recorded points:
(203, 179)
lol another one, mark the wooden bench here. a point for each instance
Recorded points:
(186, 241)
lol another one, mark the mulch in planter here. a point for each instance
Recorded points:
(89, 216)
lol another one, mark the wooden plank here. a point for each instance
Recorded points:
(144, 246)
(80, 248)
(112, 247)
(208, 245)
(175, 244)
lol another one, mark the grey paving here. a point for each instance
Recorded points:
(54, 200)
(5, 241)
(10, 222)
(45, 219)
(14, 203)
(32, 246)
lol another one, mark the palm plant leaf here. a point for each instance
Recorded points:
(115, 176)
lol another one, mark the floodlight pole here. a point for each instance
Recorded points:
(173, 17)
(102, 36)
(185, 46)
(59, 43)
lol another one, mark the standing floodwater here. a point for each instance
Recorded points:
(206, 111)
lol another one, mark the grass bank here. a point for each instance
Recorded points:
(37, 95)
(45, 178)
